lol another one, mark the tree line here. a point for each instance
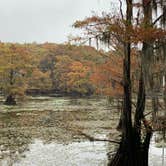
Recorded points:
(57, 68)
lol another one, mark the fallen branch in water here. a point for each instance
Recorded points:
(98, 139)
(91, 138)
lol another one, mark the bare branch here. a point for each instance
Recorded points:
(121, 12)
(160, 17)
(97, 139)
(148, 113)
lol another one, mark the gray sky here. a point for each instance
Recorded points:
(44, 20)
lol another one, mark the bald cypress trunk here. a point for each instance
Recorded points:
(124, 155)
(132, 150)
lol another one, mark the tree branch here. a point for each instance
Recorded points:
(121, 12)
(160, 17)
(98, 139)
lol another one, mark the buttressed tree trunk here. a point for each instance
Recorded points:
(134, 151)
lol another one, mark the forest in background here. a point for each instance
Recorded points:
(66, 69)
(58, 68)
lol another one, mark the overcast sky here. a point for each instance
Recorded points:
(44, 20)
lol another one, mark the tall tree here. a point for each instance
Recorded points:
(130, 31)
(15, 68)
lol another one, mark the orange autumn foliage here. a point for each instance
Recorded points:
(77, 78)
(107, 77)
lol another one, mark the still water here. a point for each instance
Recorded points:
(47, 131)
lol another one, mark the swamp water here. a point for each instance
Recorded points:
(48, 131)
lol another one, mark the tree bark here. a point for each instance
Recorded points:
(124, 155)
